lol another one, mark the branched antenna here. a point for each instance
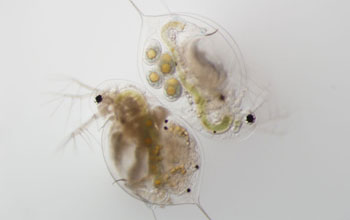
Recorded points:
(80, 131)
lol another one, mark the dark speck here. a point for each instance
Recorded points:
(250, 118)
(222, 97)
(98, 99)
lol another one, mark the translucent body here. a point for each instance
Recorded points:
(150, 153)
(153, 154)
(215, 93)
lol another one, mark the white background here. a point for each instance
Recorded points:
(301, 47)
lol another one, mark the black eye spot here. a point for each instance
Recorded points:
(222, 97)
(98, 99)
(214, 132)
(250, 118)
(166, 121)
(165, 128)
(188, 190)
(197, 167)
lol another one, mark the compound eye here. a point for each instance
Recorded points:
(98, 99)
(250, 118)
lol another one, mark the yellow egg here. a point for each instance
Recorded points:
(172, 82)
(171, 90)
(151, 54)
(166, 58)
(154, 77)
(165, 68)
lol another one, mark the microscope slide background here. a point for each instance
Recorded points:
(294, 167)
